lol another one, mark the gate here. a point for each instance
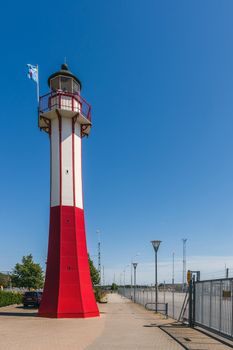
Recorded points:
(212, 306)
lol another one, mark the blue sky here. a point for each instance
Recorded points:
(158, 163)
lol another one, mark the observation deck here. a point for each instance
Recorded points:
(65, 104)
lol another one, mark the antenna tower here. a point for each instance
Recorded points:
(184, 264)
(99, 255)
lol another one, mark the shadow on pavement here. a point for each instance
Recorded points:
(23, 312)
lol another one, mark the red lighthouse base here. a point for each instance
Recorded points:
(68, 290)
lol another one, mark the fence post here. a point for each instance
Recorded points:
(173, 303)
(164, 292)
(231, 308)
(202, 301)
(211, 290)
(191, 303)
(220, 306)
(194, 303)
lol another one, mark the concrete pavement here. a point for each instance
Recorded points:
(130, 326)
(122, 325)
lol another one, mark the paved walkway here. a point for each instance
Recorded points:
(122, 325)
(128, 326)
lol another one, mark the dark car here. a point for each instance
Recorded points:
(32, 299)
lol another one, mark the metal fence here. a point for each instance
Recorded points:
(146, 296)
(213, 305)
(210, 304)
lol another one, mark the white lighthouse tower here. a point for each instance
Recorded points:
(66, 117)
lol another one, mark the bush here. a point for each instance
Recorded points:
(9, 298)
(99, 293)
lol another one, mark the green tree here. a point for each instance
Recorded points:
(28, 274)
(95, 276)
(4, 279)
(114, 287)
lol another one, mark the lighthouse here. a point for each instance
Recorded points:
(66, 117)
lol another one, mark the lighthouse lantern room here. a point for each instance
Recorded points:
(64, 97)
(66, 117)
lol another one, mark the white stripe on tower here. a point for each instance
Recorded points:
(78, 166)
(69, 185)
(66, 161)
(55, 163)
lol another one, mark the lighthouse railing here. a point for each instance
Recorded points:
(66, 101)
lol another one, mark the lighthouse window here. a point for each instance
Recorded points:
(54, 84)
(66, 84)
(76, 87)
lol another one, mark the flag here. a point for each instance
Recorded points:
(32, 72)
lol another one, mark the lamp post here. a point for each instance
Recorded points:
(156, 245)
(131, 274)
(134, 290)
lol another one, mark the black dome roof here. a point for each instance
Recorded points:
(64, 71)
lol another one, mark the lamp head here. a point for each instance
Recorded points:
(156, 245)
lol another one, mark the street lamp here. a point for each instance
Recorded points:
(156, 245)
(134, 290)
(131, 273)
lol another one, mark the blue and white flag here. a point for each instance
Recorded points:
(32, 72)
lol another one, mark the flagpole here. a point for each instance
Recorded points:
(38, 86)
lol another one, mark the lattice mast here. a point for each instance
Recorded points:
(184, 264)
